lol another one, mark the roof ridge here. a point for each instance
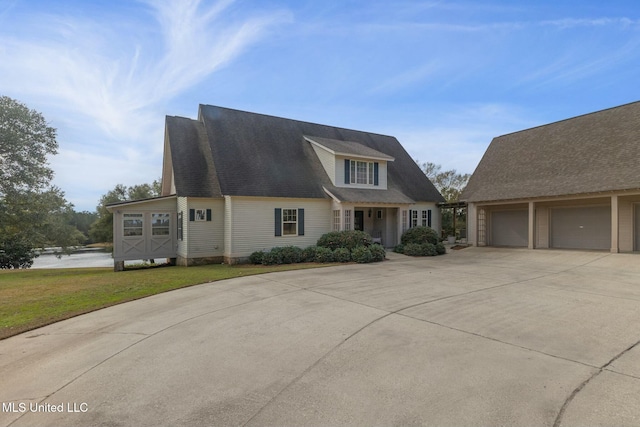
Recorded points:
(294, 120)
(570, 118)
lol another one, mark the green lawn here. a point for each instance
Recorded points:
(33, 298)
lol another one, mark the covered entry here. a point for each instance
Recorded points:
(587, 227)
(510, 228)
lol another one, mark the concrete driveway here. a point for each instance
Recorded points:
(477, 337)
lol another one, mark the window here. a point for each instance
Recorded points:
(379, 215)
(160, 223)
(347, 219)
(362, 172)
(404, 221)
(414, 218)
(289, 222)
(132, 224)
(336, 220)
(180, 226)
(201, 214)
(424, 218)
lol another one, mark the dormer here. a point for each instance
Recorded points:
(351, 164)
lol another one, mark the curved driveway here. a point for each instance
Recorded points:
(478, 337)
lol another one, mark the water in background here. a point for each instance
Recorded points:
(85, 258)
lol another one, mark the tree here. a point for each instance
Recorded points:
(449, 183)
(32, 213)
(102, 229)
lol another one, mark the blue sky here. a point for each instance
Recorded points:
(444, 77)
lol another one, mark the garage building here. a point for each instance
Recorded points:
(573, 184)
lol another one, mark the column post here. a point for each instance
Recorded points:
(615, 246)
(532, 224)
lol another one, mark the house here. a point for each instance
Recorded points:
(570, 184)
(234, 182)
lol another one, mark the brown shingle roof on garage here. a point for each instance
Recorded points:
(593, 153)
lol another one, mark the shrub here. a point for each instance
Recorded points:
(399, 249)
(309, 254)
(440, 249)
(274, 256)
(344, 239)
(428, 249)
(291, 254)
(361, 254)
(377, 252)
(342, 255)
(324, 255)
(413, 249)
(419, 235)
(256, 257)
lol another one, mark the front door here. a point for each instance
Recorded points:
(358, 223)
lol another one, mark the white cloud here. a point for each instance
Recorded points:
(103, 81)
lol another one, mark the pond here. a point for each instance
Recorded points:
(78, 259)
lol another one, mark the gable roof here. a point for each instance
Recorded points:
(248, 154)
(348, 148)
(592, 153)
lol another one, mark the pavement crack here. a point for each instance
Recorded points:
(578, 389)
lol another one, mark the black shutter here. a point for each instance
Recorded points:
(192, 214)
(278, 221)
(410, 218)
(208, 214)
(429, 218)
(347, 171)
(300, 222)
(375, 173)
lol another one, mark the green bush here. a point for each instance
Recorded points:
(324, 255)
(342, 255)
(440, 249)
(377, 252)
(399, 249)
(16, 252)
(272, 257)
(291, 254)
(420, 235)
(361, 254)
(413, 249)
(344, 239)
(256, 257)
(428, 249)
(309, 254)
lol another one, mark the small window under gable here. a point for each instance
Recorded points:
(350, 163)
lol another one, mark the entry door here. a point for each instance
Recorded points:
(358, 223)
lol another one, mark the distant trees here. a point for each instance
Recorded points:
(450, 184)
(102, 229)
(32, 212)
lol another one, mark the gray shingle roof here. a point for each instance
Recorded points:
(592, 153)
(237, 153)
(363, 195)
(348, 148)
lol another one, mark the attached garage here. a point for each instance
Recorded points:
(510, 228)
(581, 227)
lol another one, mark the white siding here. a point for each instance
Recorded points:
(435, 215)
(253, 225)
(328, 162)
(205, 238)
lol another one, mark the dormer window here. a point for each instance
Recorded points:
(361, 172)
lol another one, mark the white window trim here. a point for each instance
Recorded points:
(133, 216)
(369, 172)
(283, 222)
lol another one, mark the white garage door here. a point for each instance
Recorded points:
(581, 228)
(510, 228)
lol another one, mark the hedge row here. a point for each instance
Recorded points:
(293, 254)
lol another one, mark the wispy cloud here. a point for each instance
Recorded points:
(108, 78)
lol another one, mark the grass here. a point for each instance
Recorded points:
(33, 298)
